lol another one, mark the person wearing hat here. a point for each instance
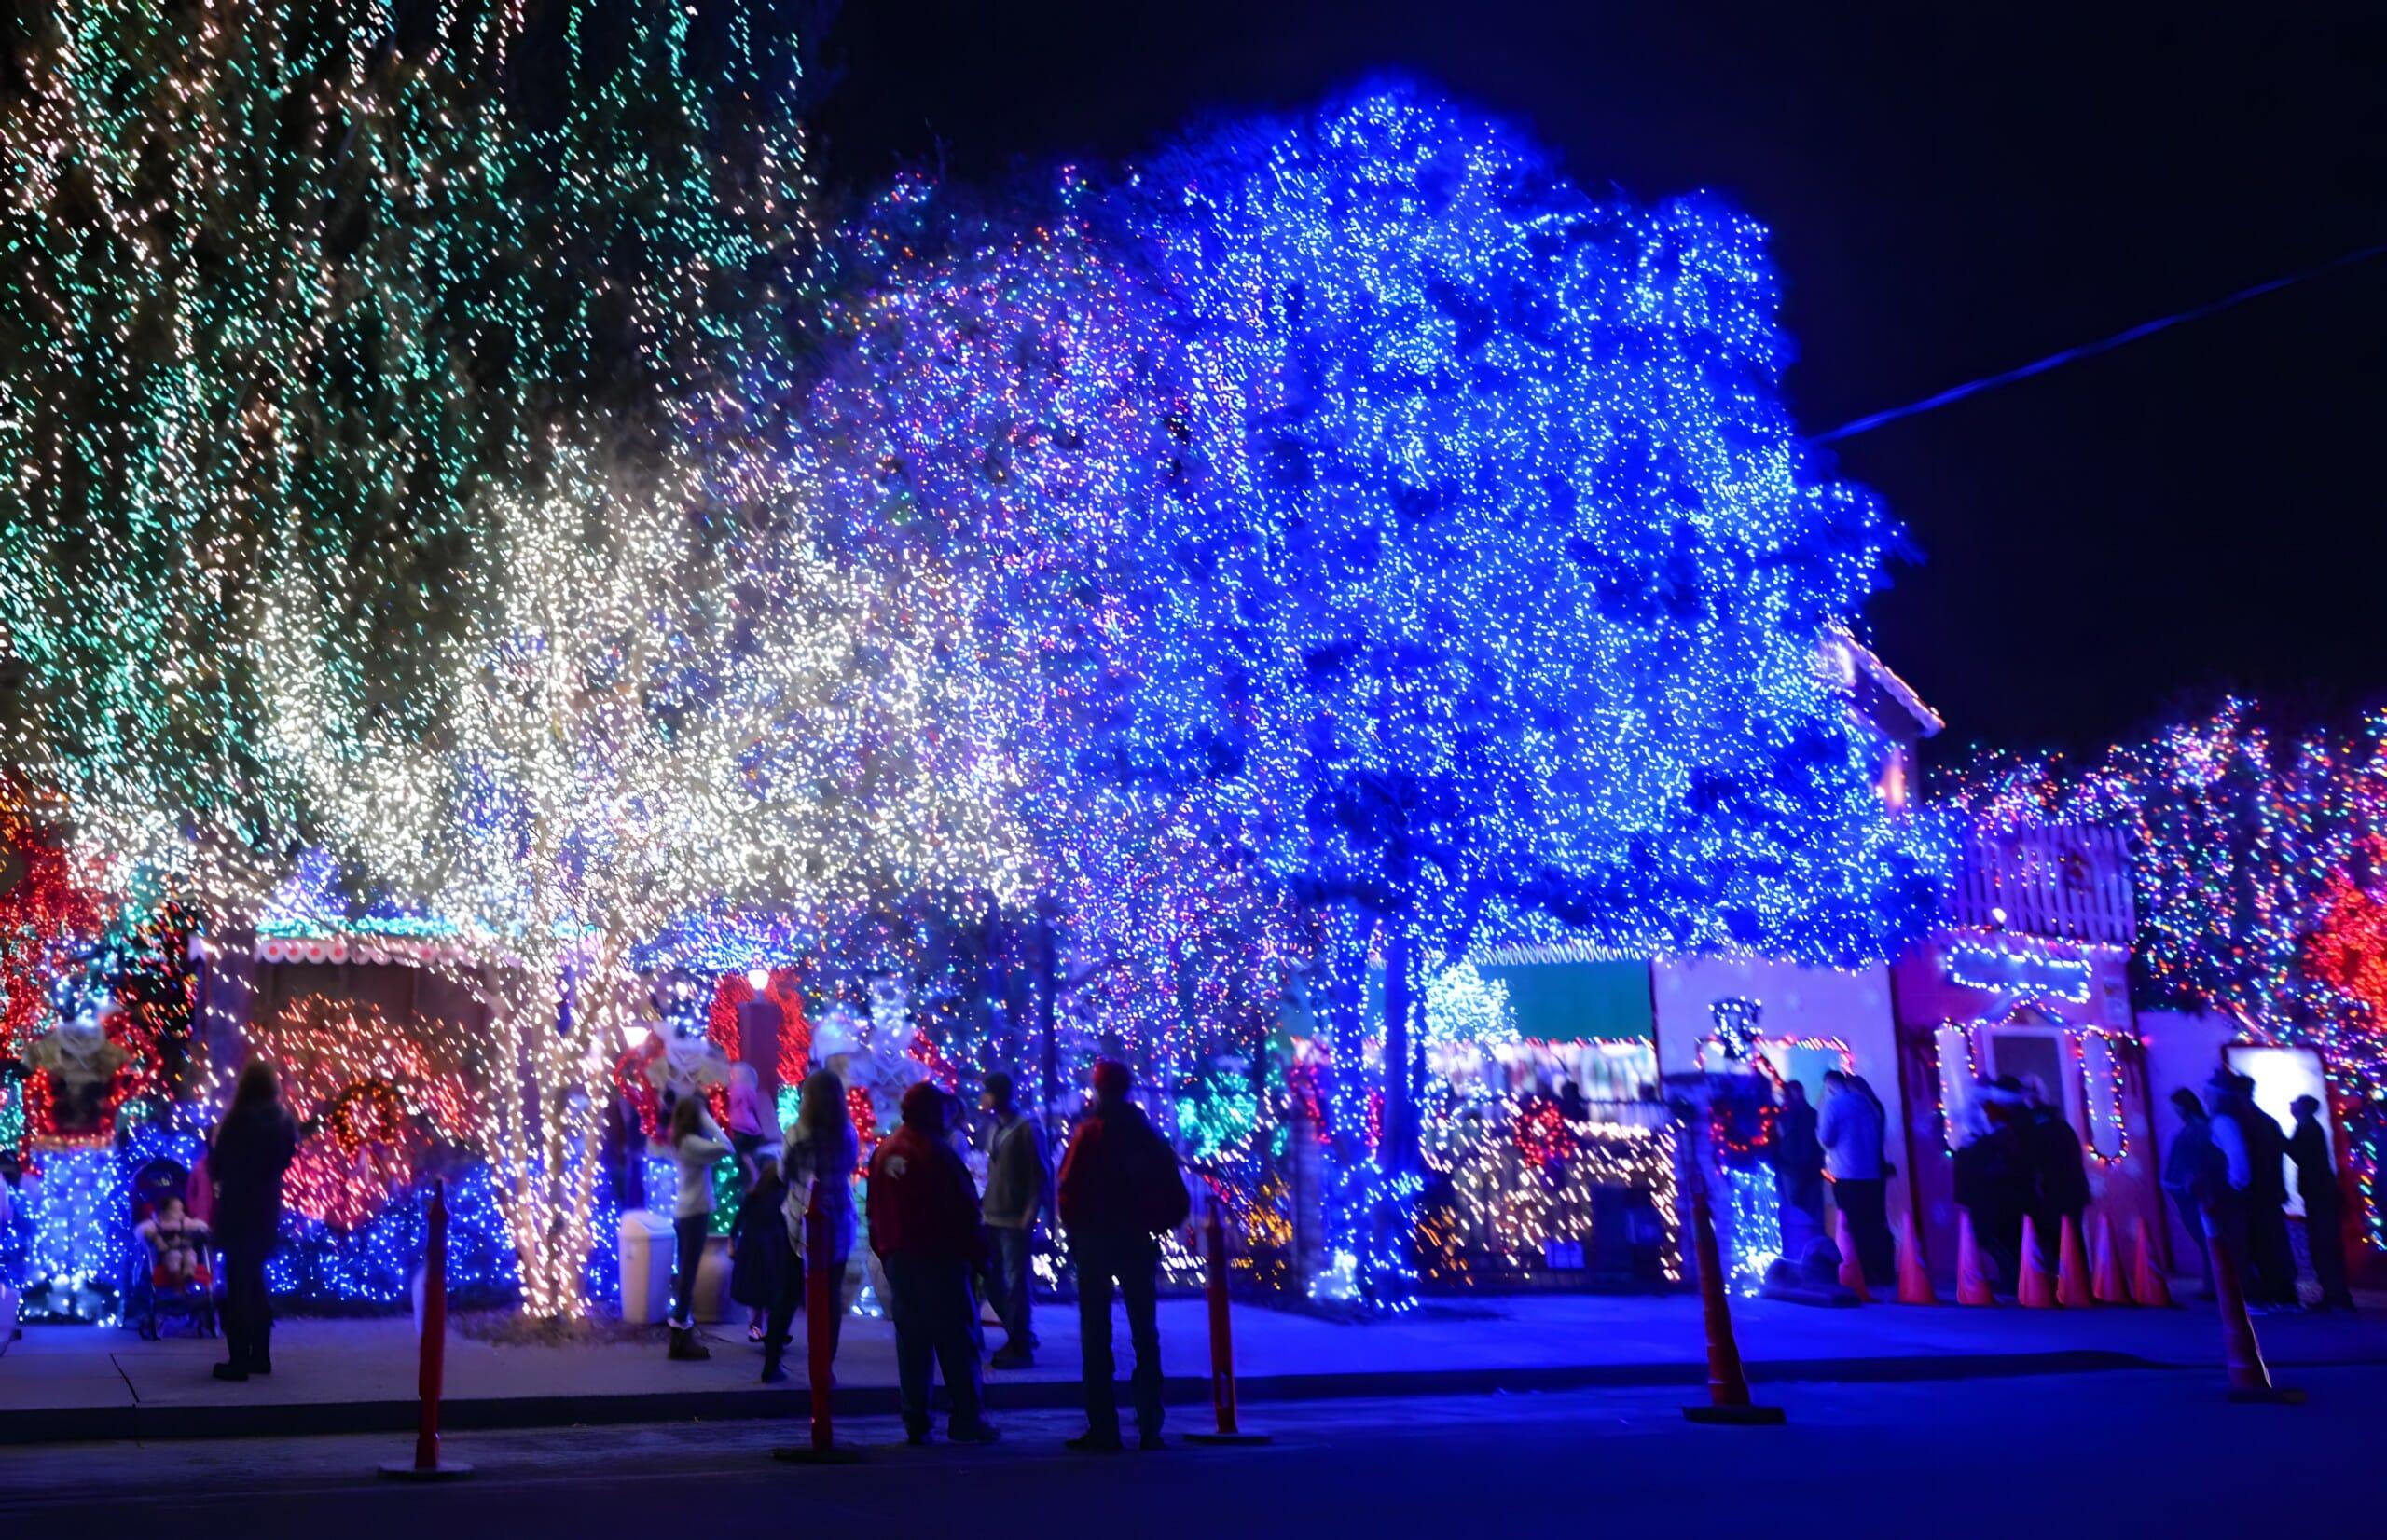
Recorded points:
(924, 1228)
(1121, 1188)
(2324, 1211)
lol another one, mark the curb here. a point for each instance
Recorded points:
(68, 1425)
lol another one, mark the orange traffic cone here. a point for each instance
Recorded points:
(1851, 1271)
(2105, 1273)
(2249, 1377)
(1972, 1284)
(1728, 1383)
(2036, 1289)
(2149, 1286)
(2072, 1269)
(1914, 1278)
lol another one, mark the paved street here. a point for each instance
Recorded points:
(2091, 1456)
(342, 1376)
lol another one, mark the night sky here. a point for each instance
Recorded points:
(1952, 195)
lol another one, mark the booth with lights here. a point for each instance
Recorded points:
(1550, 1157)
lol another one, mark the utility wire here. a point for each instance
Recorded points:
(2090, 350)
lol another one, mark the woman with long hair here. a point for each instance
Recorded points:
(754, 1134)
(696, 1144)
(822, 1150)
(253, 1148)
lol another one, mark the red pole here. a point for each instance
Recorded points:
(1214, 1236)
(434, 1330)
(823, 1301)
(432, 1373)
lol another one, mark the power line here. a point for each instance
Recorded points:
(2090, 349)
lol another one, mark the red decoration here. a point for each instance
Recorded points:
(43, 918)
(1542, 1131)
(2348, 949)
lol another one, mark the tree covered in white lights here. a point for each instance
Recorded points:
(635, 727)
(1002, 422)
(290, 291)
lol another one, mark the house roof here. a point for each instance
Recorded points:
(1868, 665)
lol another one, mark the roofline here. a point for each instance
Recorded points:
(1887, 677)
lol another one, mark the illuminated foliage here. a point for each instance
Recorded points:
(295, 288)
(2255, 865)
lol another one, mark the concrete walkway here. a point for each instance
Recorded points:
(350, 1376)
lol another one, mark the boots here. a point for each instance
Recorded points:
(774, 1348)
(685, 1346)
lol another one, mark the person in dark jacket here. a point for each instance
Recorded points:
(2324, 1211)
(253, 1148)
(2058, 1174)
(924, 1227)
(1019, 1190)
(2194, 1174)
(763, 1267)
(1798, 1168)
(1120, 1186)
(1993, 1177)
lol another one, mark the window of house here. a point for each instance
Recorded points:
(2101, 1095)
(1955, 1045)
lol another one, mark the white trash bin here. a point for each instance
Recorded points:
(646, 1266)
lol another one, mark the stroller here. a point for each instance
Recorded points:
(154, 1294)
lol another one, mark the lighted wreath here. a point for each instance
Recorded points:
(379, 1094)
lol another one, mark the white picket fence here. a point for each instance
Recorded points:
(2065, 881)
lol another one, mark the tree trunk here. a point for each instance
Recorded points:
(1397, 1154)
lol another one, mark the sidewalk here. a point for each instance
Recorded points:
(353, 1376)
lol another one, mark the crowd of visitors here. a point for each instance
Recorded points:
(941, 1246)
(2226, 1173)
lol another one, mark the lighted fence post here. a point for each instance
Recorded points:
(426, 1465)
(1214, 1236)
(821, 1304)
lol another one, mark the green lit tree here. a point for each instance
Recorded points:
(295, 289)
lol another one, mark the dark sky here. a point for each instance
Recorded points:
(1954, 189)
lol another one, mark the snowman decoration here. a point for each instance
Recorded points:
(81, 1060)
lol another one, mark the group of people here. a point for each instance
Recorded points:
(940, 1245)
(2226, 1173)
(2023, 1161)
(1842, 1143)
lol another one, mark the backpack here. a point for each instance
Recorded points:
(1164, 1203)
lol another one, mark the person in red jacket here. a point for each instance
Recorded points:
(924, 1228)
(1121, 1187)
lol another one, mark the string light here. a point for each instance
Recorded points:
(2254, 865)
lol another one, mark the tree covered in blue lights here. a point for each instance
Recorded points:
(1353, 499)
(1497, 608)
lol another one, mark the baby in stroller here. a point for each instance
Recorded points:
(180, 1280)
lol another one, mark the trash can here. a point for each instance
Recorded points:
(646, 1266)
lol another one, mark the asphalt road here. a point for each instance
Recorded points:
(2104, 1455)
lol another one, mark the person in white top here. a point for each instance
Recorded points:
(1850, 1130)
(696, 1144)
